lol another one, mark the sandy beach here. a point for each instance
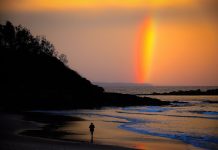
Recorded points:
(108, 132)
(10, 139)
(107, 136)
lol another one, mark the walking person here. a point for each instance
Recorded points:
(92, 129)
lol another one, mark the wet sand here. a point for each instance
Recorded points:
(10, 139)
(107, 136)
(108, 132)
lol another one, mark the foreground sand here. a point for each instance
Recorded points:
(11, 124)
(107, 134)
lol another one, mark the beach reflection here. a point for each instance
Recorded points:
(108, 131)
(140, 146)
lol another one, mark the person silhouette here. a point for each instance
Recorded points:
(91, 128)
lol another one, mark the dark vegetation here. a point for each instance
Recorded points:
(190, 92)
(35, 76)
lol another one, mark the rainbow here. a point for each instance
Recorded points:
(144, 50)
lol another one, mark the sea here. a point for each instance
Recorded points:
(194, 121)
(190, 119)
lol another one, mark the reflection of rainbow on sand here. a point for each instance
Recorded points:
(140, 146)
(144, 49)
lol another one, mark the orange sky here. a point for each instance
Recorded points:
(40, 5)
(100, 37)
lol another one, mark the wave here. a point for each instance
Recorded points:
(183, 116)
(148, 109)
(206, 112)
(203, 141)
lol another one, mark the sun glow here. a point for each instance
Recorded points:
(145, 48)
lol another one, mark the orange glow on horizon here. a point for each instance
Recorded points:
(54, 5)
(144, 50)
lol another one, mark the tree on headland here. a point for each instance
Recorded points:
(32, 64)
(63, 58)
(20, 39)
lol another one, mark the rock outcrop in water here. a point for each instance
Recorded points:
(35, 76)
(190, 92)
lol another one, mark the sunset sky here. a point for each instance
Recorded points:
(161, 42)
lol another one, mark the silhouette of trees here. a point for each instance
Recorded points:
(7, 35)
(20, 39)
(32, 70)
(63, 58)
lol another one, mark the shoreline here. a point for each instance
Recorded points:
(58, 135)
(11, 138)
